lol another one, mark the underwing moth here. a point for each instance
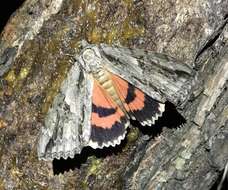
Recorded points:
(105, 88)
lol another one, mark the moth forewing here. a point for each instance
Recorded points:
(128, 68)
(67, 124)
(158, 75)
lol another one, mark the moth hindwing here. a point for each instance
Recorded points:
(105, 88)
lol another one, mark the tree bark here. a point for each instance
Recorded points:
(186, 149)
(191, 156)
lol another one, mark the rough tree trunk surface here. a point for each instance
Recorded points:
(34, 59)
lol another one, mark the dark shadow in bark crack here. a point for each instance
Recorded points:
(61, 166)
(219, 184)
(170, 119)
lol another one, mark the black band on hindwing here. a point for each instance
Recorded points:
(102, 111)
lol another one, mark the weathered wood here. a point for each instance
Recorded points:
(34, 49)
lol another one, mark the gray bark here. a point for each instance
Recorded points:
(34, 49)
(191, 157)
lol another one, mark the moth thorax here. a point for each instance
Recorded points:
(92, 60)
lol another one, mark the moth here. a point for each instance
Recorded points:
(105, 88)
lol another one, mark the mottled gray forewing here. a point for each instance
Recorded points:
(62, 134)
(158, 75)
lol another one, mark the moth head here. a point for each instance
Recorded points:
(91, 59)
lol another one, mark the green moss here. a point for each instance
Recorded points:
(84, 185)
(23, 73)
(130, 31)
(128, 3)
(93, 169)
(95, 166)
(16, 77)
(2, 186)
(61, 64)
(3, 124)
(52, 90)
(111, 29)
(133, 135)
(10, 77)
(96, 35)
(111, 36)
